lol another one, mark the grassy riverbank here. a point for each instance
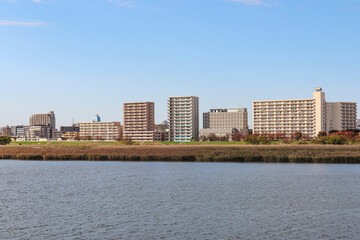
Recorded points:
(182, 152)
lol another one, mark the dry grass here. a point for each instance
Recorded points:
(204, 153)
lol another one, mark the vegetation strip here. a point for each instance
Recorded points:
(186, 153)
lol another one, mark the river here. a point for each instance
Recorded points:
(156, 200)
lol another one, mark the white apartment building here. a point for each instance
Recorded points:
(309, 116)
(183, 114)
(221, 122)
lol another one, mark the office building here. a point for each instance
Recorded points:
(139, 121)
(97, 130)
(183, 114)
(308, 116)
(222, 122)
(46, 119)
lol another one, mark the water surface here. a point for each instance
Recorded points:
(122, 200)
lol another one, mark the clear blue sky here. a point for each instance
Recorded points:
(80, 57)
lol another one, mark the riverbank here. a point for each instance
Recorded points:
(185, 153)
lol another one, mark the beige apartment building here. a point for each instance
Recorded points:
(97, 130)
(139, 121)
(183, 114)
(221, 122)
(309, 116)
(46, 119)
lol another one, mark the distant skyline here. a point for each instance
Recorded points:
(79, 58)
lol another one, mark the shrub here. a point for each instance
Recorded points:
(4, 140)
(336, 139)
(128, 141)
(256, 139)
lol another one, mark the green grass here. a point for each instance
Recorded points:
(28, 143)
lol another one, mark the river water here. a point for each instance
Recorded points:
(150, 200)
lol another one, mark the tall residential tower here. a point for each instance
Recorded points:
(139, 121)
(183, 114)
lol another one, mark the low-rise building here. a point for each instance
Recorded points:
(223, 132)
(97, 130)
(161, 135)
(71, 135)
(6, 131)
(66, 129)
(39, 133)
(21, 132)
(358, 124)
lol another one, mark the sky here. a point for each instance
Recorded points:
(79, 57)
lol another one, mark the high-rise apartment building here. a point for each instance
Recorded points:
(358, 124)
(309, 116)
(340, 116)
(139, 121)
(221, 122)
(46, 119)
(97, 130)
(183, 114)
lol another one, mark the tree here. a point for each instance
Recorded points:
(236, 135)
(296, 136)
(4, 140)
(257, 139)
(212, 137)
(321, 134)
